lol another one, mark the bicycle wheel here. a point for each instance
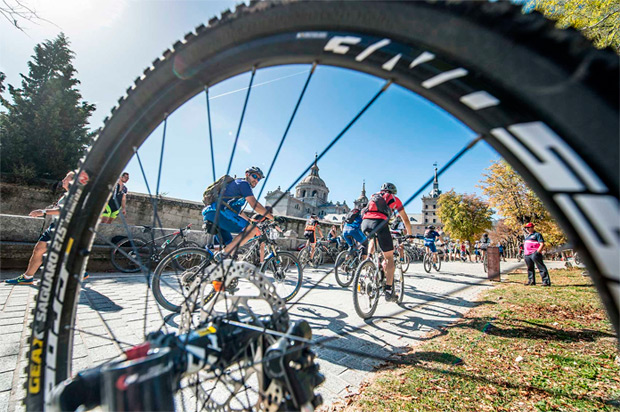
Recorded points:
(399, 287)
(438, 263)
(543, 98)
(175, 273)
(304, 257)
(366, 289)
(286, 274)
(428, 264)
(180, 261)
(129, 256)
(344, 268)
(318, 258)
(404, 264)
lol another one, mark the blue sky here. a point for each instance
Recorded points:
(398, 139)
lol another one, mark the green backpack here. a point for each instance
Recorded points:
(212, 192)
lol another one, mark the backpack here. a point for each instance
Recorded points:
(352, 215)
(212, 192)
(378, 203)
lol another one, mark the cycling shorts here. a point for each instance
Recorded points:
(47, 235)
(228, 222)
(431, 246)
(108, 212)
(383, 234)
(309, 234)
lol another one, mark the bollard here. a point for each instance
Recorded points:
(493, 263)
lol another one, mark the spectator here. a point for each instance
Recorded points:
(117, 202)
(27, 278)
(533, 246)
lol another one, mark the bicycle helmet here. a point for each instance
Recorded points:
(431, 227)
(389, 187)
(256, 170)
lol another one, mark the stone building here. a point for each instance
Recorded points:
(311, 197)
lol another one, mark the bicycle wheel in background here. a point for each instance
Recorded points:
(543, 98)
(136, 253)
(344, 268)
(171, 284)
(404, 263)
(427, 262)
(304, 256)
(437, 264)
(366, 289)
(286, 274)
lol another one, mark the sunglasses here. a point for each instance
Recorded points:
(255, 176)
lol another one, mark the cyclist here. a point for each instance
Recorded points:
(352, 231)
(430, 235)
(501, 251)
(230, 219)
(485, 242)
(310, 232)
(477, 251)
(467, 253)
(375, 220)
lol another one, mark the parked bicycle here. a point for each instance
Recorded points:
(130, 255)
(171, 285)
(369, 283)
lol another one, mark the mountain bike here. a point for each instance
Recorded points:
(429, 262)
(171, 285)
(369, 283)
(402, 262)
(346, 264)
(544, 99)
(129, 254)
(305, 258)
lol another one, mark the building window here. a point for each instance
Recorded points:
(303, 193)
(314, 193)
(434, 206)
(425, 220)
(425, 206)
(433, 220)
(433, 213)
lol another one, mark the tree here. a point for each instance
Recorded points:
(517, 203)
(598, 20)
(464, 216)
(44, 131)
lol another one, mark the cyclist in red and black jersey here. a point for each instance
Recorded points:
(375, 218)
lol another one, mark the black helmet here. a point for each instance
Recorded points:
(256, 170)
(431, 227)
(485, 235)
(389, 187)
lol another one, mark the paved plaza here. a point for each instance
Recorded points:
(113, 303)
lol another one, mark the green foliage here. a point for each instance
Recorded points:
(464, 216)
(598, 20)
(44, 130)
(517, 203)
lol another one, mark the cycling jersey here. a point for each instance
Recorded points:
(393, 203)
(532, 243)
(430, 236)
(311, 225)
(484, 243)
(355, 224)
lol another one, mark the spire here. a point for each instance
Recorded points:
(435, 192)
(364, 188)
(314, 170)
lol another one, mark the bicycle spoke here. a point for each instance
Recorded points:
(210, 133)
(288, 126)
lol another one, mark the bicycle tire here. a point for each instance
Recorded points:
(297, 274)
(438, 264)
(399, 287)
(156, 283)
(132, 247)
(366, 286)
(427, 262)
(404, 265)
(344, 279)
(304, 257)
(522, 58)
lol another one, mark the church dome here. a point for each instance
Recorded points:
(313, 178)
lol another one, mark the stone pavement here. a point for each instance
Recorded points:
(115, 304)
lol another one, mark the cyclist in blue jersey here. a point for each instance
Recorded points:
(352, 231)
(230, 219)
(430, 235)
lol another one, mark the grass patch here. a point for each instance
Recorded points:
(537, 349)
